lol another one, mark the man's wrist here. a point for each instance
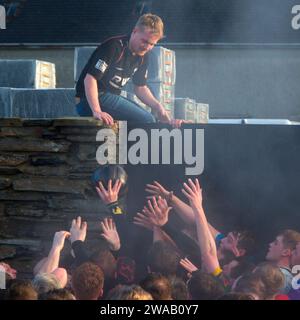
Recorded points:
(169, 197)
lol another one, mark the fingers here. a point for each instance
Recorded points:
(107, 118)
(83, 225)
(119, 185)
(192, 185)
(188, 189)
(78, 222)
(186, 194)
(109, 185)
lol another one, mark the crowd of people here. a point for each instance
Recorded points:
(193, 262)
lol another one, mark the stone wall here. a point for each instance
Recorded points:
(45, 170)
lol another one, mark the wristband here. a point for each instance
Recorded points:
(114, 208)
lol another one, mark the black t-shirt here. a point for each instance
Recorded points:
(112, 64)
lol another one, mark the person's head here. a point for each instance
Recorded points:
(240, 243)
(163, 259)
(252, 285)
(148, 30)
(296, 255)
(45, 282)
(237, 267)
(133, 292)
(204, 286)
(236, 296)
(179, 288)
(107, 262)
(87, 282)
(272, 278)
(280, 250)
(158, 286)
(21, 290)
(57, 294)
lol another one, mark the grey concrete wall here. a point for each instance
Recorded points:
(258, 82)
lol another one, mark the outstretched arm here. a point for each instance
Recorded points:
(207, 243)
(183, 210)
(51, 262)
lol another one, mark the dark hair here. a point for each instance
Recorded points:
(106, 261)
(21, 290)
(179, 288)
(236, 296)
(244, 266)
(162, 258)
(246, 240)
(204, 286)
(57, 294)
(252, 285)
(87, 281)
(158, 286)
(133, 292)
(272, 277)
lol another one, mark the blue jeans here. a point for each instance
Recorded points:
(118, 107)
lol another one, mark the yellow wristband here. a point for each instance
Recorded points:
(217, 272)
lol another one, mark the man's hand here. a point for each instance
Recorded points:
(177, 123)
(78, 230)
(156, 214)
(142, 221)
(59, 240)
(157, 190)
(105, 117)
(110, 234)
(111, 194)
(193, 192)
(163, 115)
(188, 265)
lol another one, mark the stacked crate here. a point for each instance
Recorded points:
(185, 108)
(34, 74)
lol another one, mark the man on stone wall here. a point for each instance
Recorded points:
(110, 67)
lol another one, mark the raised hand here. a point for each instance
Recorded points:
(78, 230)
(156, 214)
(156, 189)
(193, 192)
(59, 239)
(188, 265)
(110, 234)
(110, 194)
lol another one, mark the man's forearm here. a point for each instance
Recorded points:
(52, 261)
(187, 215)
(146, 96)
(91, 92)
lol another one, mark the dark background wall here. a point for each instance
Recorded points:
(188, 21)
(250, 180)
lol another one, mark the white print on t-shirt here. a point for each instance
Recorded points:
(101, 65)
(296, 279)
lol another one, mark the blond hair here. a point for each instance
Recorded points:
(290, 238)
(152, 22)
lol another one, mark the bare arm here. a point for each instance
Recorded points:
(51, 262)
(91, 92)
(206, 242)
(183, 210)
(146, 96)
